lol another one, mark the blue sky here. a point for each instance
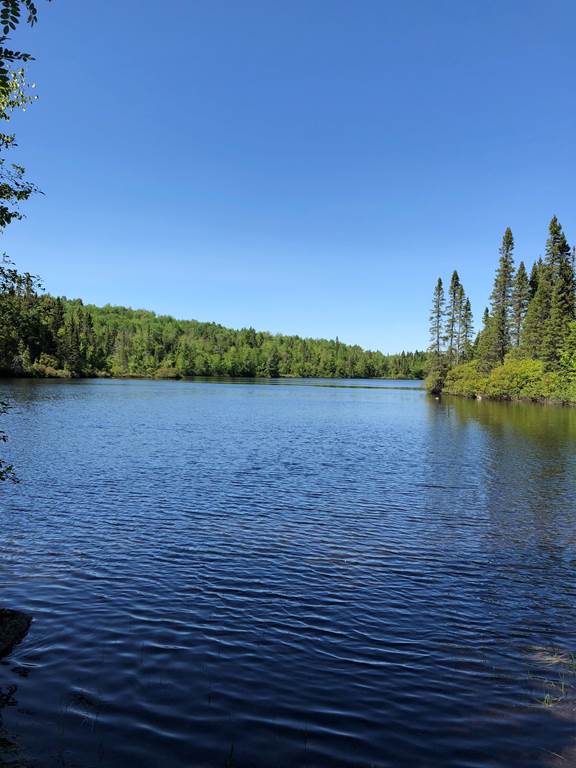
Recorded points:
(303, 167)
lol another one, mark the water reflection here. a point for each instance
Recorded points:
(543, 423)
(529, 461)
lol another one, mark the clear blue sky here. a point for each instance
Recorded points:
(301, 166)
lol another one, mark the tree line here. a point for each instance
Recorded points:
(527, 344)
(42, 335)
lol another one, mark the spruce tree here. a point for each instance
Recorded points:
(485, 342)
(520, 301)
(437, 320)
(501, 299)
(560, 265)
(534, 277)
(453, 312)
(557, 249)
(535, 323)
(466, 330)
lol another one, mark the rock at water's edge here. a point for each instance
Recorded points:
(13, 628)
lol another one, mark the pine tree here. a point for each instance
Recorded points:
(437, 320)
(520, 301)
(501, 299)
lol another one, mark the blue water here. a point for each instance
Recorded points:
(286, 574)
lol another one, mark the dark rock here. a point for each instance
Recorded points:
(13, 627)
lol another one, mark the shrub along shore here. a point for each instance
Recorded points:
(513, 380)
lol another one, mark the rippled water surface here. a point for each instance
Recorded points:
(280, 574)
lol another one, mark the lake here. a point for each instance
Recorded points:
(288, 573)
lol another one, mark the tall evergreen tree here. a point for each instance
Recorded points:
(453, 312)
(485, 342)
(560, 265)
(437, 320)
(501, 299)
(520, 301)
(534, 277)
(535, 323)
(466, 329)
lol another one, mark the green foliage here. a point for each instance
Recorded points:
(485, 343)
(535, 277)
(562, 299)
(453, 315)
(498, 336)
(14, 189)
(568, 355)
(14, 95)
(450, 331)
(437, 317)
(520, 302)
(527, 346)
(537, 316)
(466, 328)
(514, 379)
(437, 368)
(10, 17)
(466, 380)
(434, 382)
(167, 373)
(45, 336)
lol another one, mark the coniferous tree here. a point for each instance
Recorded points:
(485, 342)
(568, 354)
(436, 358)
(520, 301)
(461, 302)
(466, 329)
(537, 316)
(534, 277)
(560, 265)
(501, 300)
(453, 312)
(437, 320)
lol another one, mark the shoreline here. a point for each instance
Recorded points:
(181, 377)
(544, 401)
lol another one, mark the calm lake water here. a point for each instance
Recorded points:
(286, 574)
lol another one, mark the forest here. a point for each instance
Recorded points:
(46, 336)
(526, 348)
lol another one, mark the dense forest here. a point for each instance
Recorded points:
(41, 335)
(527, 345)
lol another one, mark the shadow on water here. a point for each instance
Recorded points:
(10, 754)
